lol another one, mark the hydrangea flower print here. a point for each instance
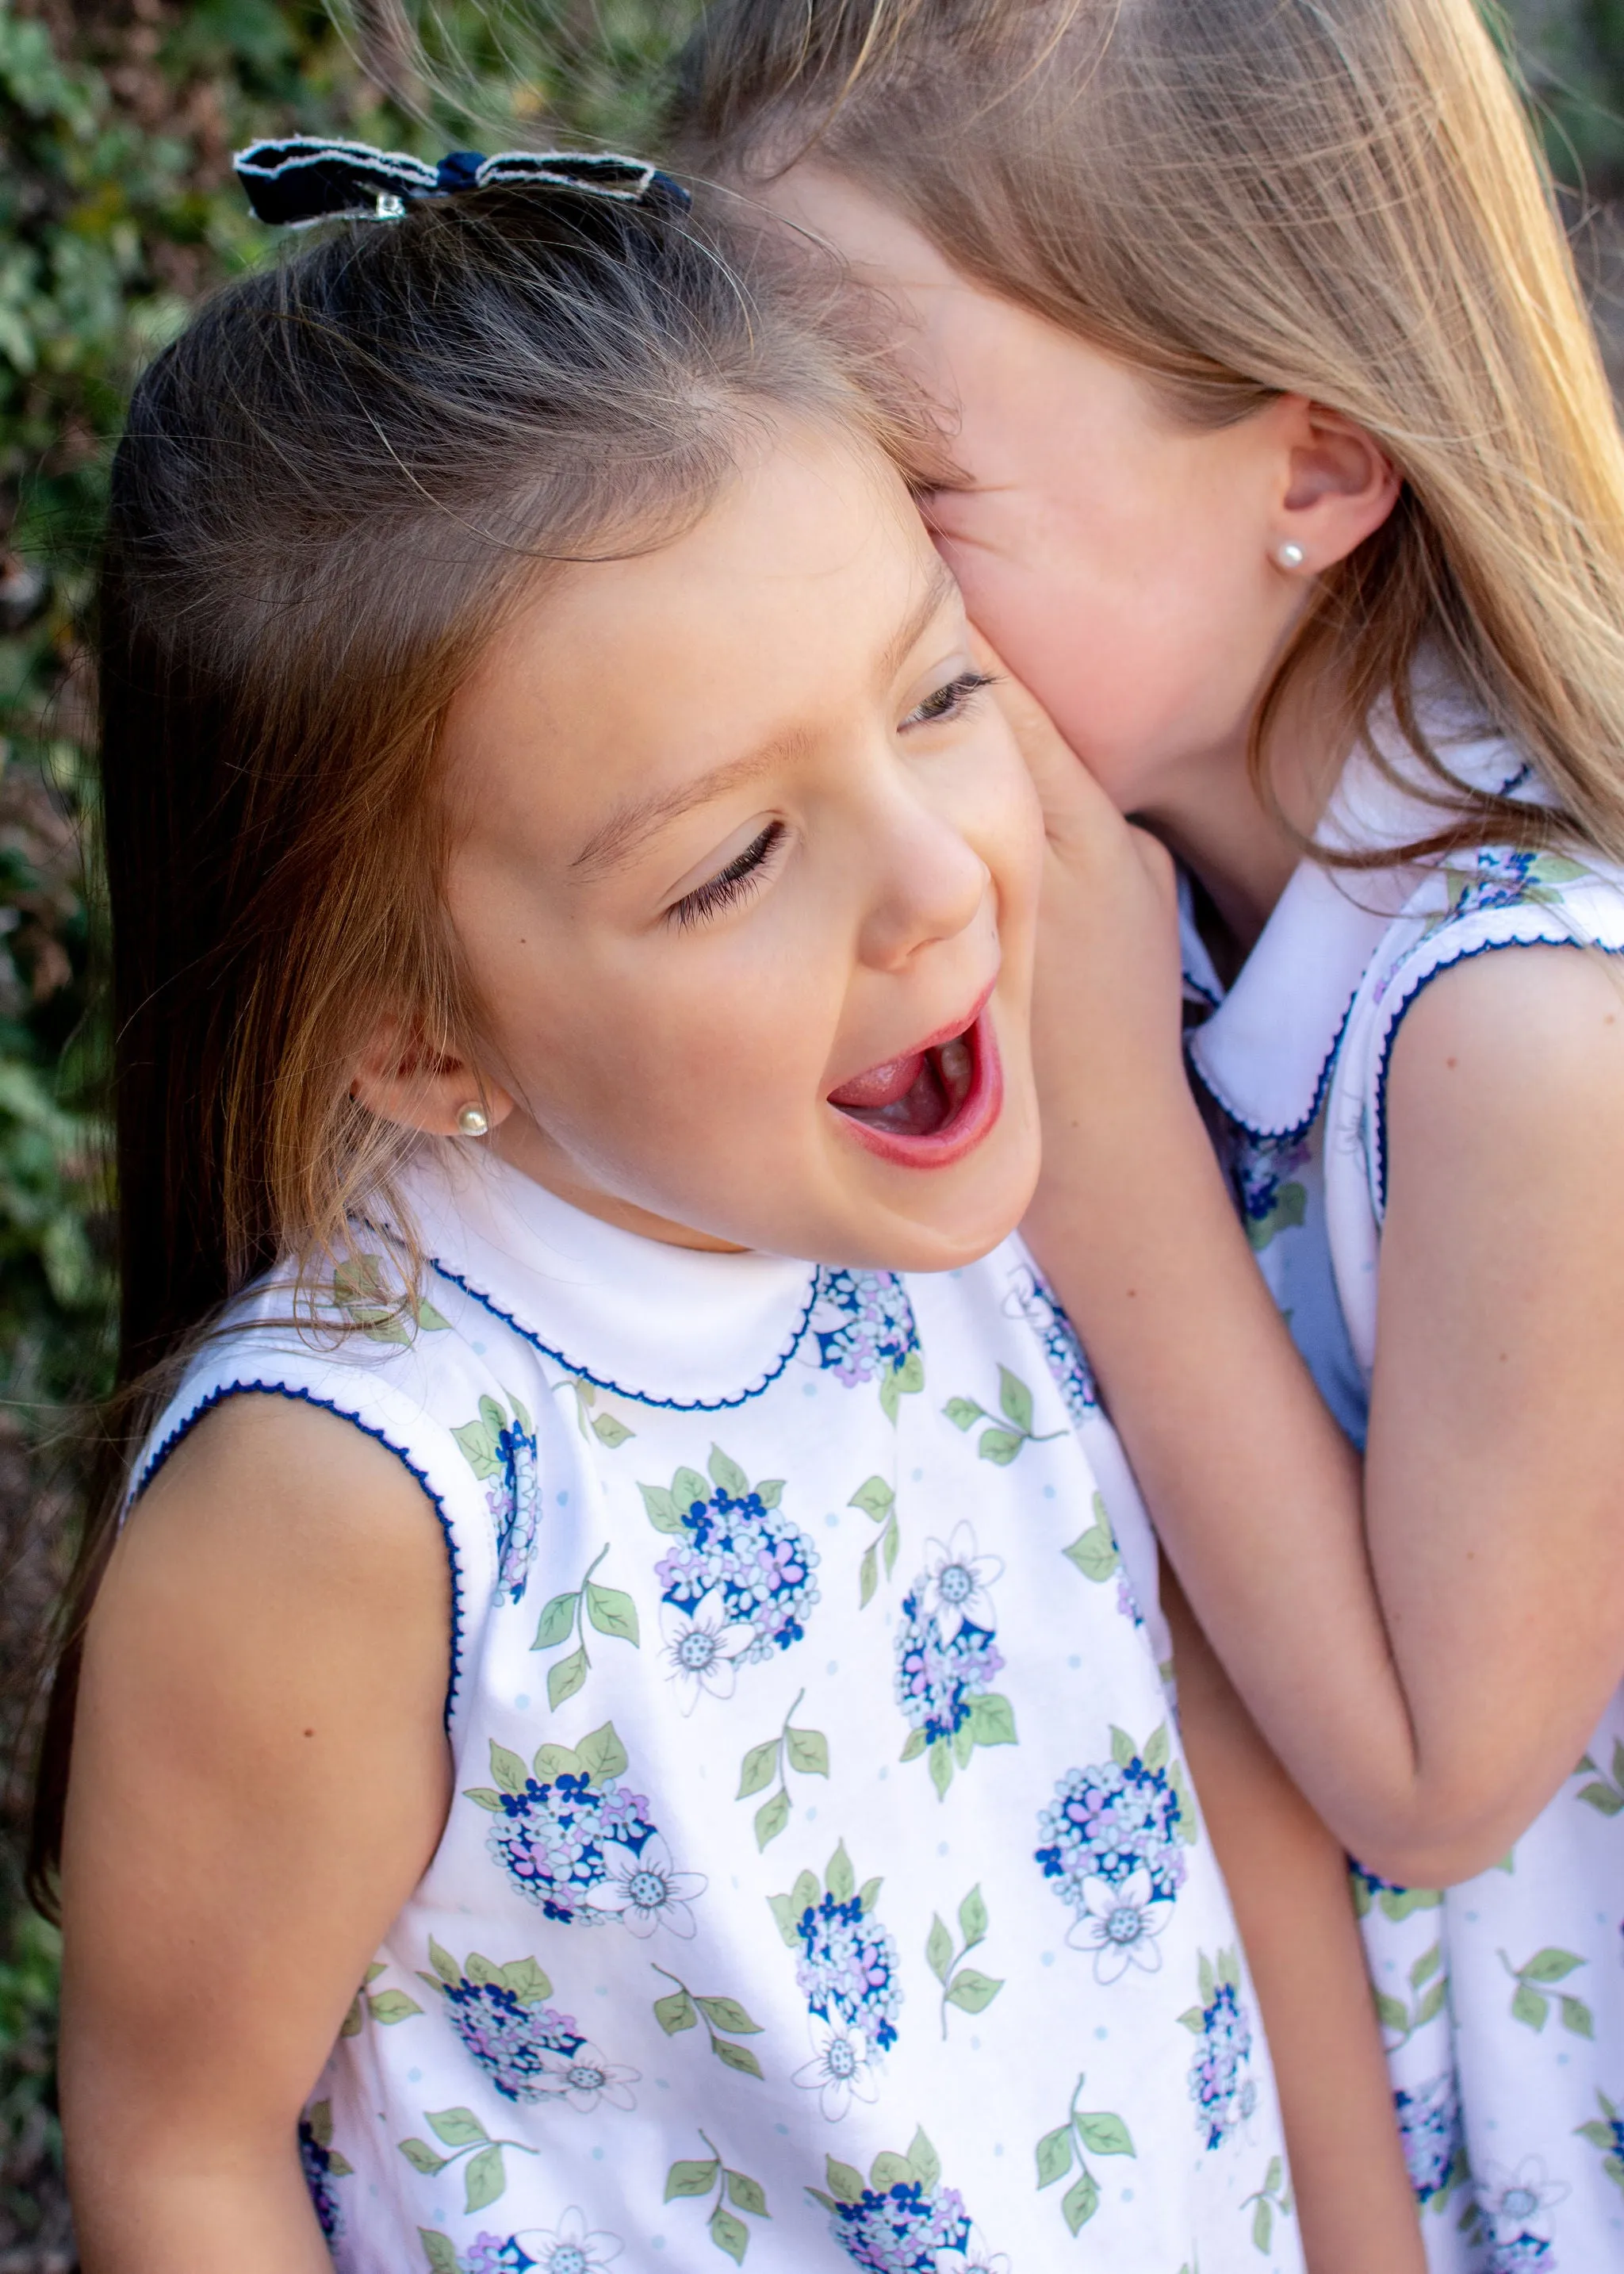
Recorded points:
(500, 1449)
(1220, 2083)
(1506, 876)
(321, 2165)
(1606, 2132)
(938, 1675)
(737, 1579)
(1429, 2123)
(516, 2044)
(1031, 1299)
(1266, 1172)
(902, 2221)
(862, 1327)
(570, 2248)
(1515, 2206)
(1112, 1842)
(1392, 1901)
(846, 1971)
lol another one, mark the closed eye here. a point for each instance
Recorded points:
(949, 702)
(729, 885)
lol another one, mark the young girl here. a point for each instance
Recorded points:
(675, 1728)
(1295, 495)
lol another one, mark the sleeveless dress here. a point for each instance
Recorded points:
(1501, 1999)
(823, 1884)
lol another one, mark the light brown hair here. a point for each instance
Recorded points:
(1339, 198)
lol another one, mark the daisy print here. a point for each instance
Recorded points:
(839, 2071)
(643, 1890)
(703, 1647)
(585, 2078)
(1516, 2205)
(958, 1583)
(569, 2247)
(1120, 1921)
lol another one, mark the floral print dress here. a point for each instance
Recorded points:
(823, 1884)
(1502, 2000)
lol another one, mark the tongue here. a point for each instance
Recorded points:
(881, 1085)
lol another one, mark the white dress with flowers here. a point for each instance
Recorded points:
(823, 1884)
(1502, 2000)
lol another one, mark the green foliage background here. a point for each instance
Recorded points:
(118, 120)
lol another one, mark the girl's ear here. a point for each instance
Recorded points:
(1339, 486)
(398, 1077)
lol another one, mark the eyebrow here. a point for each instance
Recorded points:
(638, 817)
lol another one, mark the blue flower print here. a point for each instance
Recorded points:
(737, 1581)
(1429, 2123)
(902, 2220)
(1266, 1172)
(1030, 1299)
(573, 1842)
(501, 2015)
(322, 2164)
(1514, 2204)
(862, 1325)
(1606, 2132)
(1112, 1842)
(1219, 2082)
(947, 1658)
(846, 1970)
(567, 2248)
(500, 1449)
(1506, 876)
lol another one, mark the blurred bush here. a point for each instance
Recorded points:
(118, 120)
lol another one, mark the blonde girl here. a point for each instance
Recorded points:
(624, 1724)
(1293, 490)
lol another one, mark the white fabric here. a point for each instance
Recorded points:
(819, 1818)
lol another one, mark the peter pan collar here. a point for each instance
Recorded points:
(1268, 1050)
(669, 1326)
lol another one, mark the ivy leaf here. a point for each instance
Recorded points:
(727, 1474)
(961, 1412)
(999, 1446)
(808, 1752)
(556, 1621)
(733, 2056)
(1015, 1400)
(422, 2157)
(845, 2185)
(728, 2014)
(729, 2234)
(1082, 2202)
(1526, 2006)
(608, 1431)
(565, 1676)
(874, 1497)
(484, 2178)
(458, 2127)
(839, 1879)
(1550, 1965)
(973, 1918)
(507, 1769)
(391, 2006)
(691, 2179)
(771, 1819)
(602, 1755)
(1094, 1554)
(660, 1508)
(972, 1991)
(675, 2012)
(756, 1768)
(939, 1949)
(440, 2250)
(613, 1613)
(926, 2162)
(1104, 2134)
(747, 2194)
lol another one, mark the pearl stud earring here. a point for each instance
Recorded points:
(1291, 556)
(472, 1122)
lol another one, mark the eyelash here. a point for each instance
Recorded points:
(729, 885)
(949, 702)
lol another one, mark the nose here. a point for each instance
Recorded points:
(929, 884)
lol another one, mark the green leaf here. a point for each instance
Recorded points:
(890, 1394)
(839, 1879)
(602, 1754)
(613, 1613)
(557, 1619)
(565, 1676)
(1262, 2224)
(828, 2202)
(1189, 1822)
(1618, 1761)
(661, 1508)
(733, 2056)
(483, 2178)
(352, 2023)
(1125, 1753)
(675, 2012)
(868, 1576)
(492, 1416)
(391, 2006)
(507, 1769)
(1015, 1400)
(687, 1487)
(868, 1895)
(431, 1322)
(480, 1969)
(1550, 1965)
(769, 1491)
(962, 1412)
(319, 2118)
(889, 2171)
(729, 2234)
(443, 1963)
(845, 2185)
(941, 1759)
(1055, 2155)
(1604, 1797)
(992, 1719)
(1598, 2135)
(554, 1761)
(1433, 2005)
(808, 1752)
(1577, 2017)
(1157, 1749)
(1094, 1554)
(874, 1497)
(939, 1949)
(964, 1743)
(770, 1818)
(1613, 2166)
(756, 1769)
(973, 1992)
(611, 1432)
(1207, 1977)
(440, 2250)
(1529, 2007)
(728, 2014)
(804, 1893)
(1392, 2013)
(973, 1918)
(526, 1981)
(727, 1474)
(422, 2157)
(891, 1539)
(458, 2127)
(911, 1374)
(482, 1797)
(1426, 1966)
(340, 2167)
(1104, 2134)
(1194, 2020)
(1082, 2202)
(687, 2179)
(1000, 1446)
(1273, 2176)
(372, 1972)
(747, 2194)
(926, 2162)
(914, 1746)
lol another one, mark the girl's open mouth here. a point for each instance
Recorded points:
(931, 1106)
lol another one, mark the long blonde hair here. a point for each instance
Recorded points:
(1339, 198)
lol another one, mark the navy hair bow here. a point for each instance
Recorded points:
(304, 179)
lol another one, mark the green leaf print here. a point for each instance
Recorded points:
(1082, 2202)
(613, 1613)
(728, 2233)
(422, 2157)
(684, 2009)
(939, 1950)
(1003, 1439)
(1272, 2200)
(389, 2007)
(1085, 2133)
(1530, 2002)
(839, 1879)
(973, 1918)
(675, 2012)
(747, 2194)
(992, 1719)
(727, 1474)
(602, 1755)
(804, 1750)
(1095, 1552)
(661, 1508)
(1105, 2136)
(691, 2179)
(926, 2162)
(757, 1769)
(1550, 1965)
(808, 1752)
(1054, 2155)
(878, 1503)
(845, 2185)
(361, 1290)
(1157, 1749)
(1015, 1400)
(557, 1621)
(507, 1769)
(1606, 1793)
(606, 1609)
(1000, 1446)
(485, 2178)
(771, 1818)
(458, 2127)
(961, 1412)
(1577, 2017)
(728, 2014)
(569, 1675)
(735, 2057)
(610, 1431)
(972, 1991)
(965, 1987)
(889, 2171)
(440, 2250)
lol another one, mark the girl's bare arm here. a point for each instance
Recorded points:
(260, 1777)
(1427, 1638)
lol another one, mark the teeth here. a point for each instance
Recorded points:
(956, 1066)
